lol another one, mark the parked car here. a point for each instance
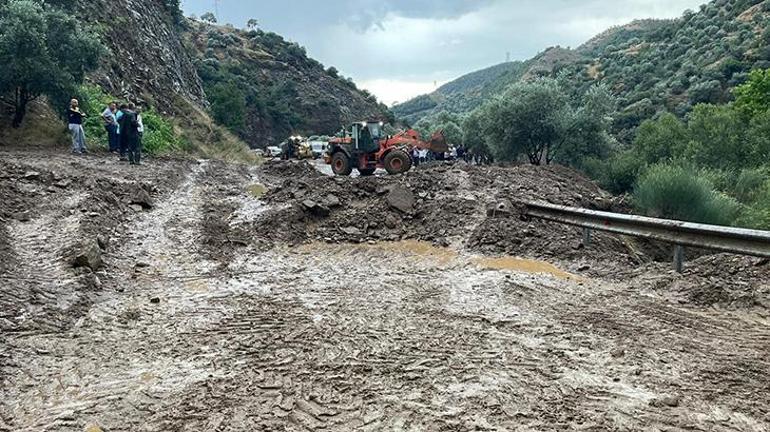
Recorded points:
(319, 148)
(274, 151)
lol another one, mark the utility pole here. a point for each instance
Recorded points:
(508, 57)
(216, 9)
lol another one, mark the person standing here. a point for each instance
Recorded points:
(129, 133)
(111, 125)
(135, 146)
(75, 118)
(119, 115)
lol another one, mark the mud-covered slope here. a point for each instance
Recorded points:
(146, 60)
(285, 91)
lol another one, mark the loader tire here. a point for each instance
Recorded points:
(341, 164)
(397, 162)
(366, 172)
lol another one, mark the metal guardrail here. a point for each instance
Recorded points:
(724, 239)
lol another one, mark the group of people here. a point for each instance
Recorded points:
(459, 153)
(124, 128)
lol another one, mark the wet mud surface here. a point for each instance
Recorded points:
(208, 316)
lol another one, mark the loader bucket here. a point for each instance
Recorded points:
(438, 143)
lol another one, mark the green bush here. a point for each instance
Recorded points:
(750, 184)
(682, 193)
(93, 101)
(757, 214)
(616, 174)
(159, 135)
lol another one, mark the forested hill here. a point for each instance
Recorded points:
(650, 65)
(462, 94)
(265, 88)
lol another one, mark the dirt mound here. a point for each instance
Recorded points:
(444, 204)
(280, 169)
(717, 280)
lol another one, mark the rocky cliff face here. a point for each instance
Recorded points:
(286, 92)
(157, 56)
(147, 61)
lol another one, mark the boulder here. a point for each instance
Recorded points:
(88, 254)
(31, 175)
(103, 242)
(140, 197)
(332, 201)
(315, 208)
(351, 231)
(666, 401)
(401, 199)
(391, 221)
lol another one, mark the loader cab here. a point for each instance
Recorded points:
(366, 136)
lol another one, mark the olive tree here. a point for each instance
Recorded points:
(753, 97)
(528, 119)
(209, 17)
(44, 52)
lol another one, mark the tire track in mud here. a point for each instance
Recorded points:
(108, 367)
(45, 290)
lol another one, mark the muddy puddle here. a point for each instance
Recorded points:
(447, 257)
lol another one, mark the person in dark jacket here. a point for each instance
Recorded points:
(111, 125)
(135, 148)
(129, 130)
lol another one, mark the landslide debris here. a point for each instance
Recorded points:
(444, 204)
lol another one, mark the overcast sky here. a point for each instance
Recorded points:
(399, 49)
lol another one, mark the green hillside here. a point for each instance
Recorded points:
(650, 65)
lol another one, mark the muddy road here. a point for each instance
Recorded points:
(208, 315)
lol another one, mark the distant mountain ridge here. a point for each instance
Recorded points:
(650, 65)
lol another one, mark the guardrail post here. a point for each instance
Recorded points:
(586, 237)
(679, 258)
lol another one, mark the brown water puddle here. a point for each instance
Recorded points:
(444, 256)
(419, 248)
(523, 265)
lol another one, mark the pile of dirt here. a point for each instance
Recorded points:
(221, 184)
(717, 280)
(445, 204)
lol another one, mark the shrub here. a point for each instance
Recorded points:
(159, 134)
(750, 184)
(677, 192)
(617, 174)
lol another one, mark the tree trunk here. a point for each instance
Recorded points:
(22, 99)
